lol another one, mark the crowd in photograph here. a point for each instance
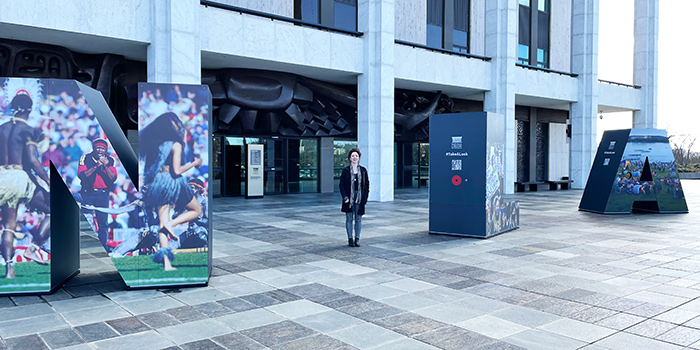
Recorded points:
(629, 179)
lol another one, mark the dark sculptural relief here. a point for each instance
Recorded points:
(255, 102)
(113, 75)
(247, 102)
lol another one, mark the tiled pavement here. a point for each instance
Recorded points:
(284, 279)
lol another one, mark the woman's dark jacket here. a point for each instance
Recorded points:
(345, 180)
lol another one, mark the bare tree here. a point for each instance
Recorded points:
(682, 146)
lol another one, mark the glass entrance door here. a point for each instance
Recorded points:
(302, 165)
(275, 166)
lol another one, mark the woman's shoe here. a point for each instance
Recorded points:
(350, 242)
(357, 242)
(164, 230)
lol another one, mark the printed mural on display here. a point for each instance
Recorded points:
(153, 222)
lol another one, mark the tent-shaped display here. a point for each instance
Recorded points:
(634, 169)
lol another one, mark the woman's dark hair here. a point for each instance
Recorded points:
(354, 149)
(166, 127)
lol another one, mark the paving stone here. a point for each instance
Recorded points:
(260, 299)
(318, 341)
(648, 310)
(278, 333)
(128, 325)
(159, 319)
(6, 302)
(27, 300)
(409, 324)
(212, 309)
(186, 314)
(237, 304)
(538, 339)
(32, 341)
(81, 291)
(651, 328)
(681, 335)
(309, 290)
(626, 341)
(237, 341)
(620, 321)
(454, 338)
(62, 338)
(593, 314)
(96, 331)
(205, 344)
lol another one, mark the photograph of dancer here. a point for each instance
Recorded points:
(162, 145)
(48, 124)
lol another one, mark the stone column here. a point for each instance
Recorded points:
(646, 60)
(584, 61)
(174, 53)
(375, 102)
(325, 165)
(501, 45)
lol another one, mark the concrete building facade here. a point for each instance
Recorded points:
(534, 61)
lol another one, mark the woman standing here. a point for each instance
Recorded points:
(354, 188)
(165, 187)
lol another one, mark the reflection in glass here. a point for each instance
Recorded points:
(308, 165)
(345, 14)
(460, 37)
(340, 159)
(310, 11)
(435, 23)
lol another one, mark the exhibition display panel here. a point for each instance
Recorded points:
(466, 176)
(634, 170)
(60, 145)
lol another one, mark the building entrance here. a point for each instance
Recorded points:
(412, 161)
(290, 165)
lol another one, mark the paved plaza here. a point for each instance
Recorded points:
(284, 278)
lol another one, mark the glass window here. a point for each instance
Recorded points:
(435, 23)
(308, 165)
(542, 58)
(523, 54)
(308, 10)
(536, 43)
(340, 159)
(460, 34)
(345, 14)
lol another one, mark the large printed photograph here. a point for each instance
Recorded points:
(46, 123)
(501, 215)
(647, 172)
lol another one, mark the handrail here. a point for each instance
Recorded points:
(421, 46)
(619, 84)
(527, 66)
(277, 17)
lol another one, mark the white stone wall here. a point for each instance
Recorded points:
(558, 152)
(560, 36)
(530, 82)
(411, 20)
(477, 25)
(619, 97)
(281, 43)
(121, 27)
(277, 7)
(414, 64)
